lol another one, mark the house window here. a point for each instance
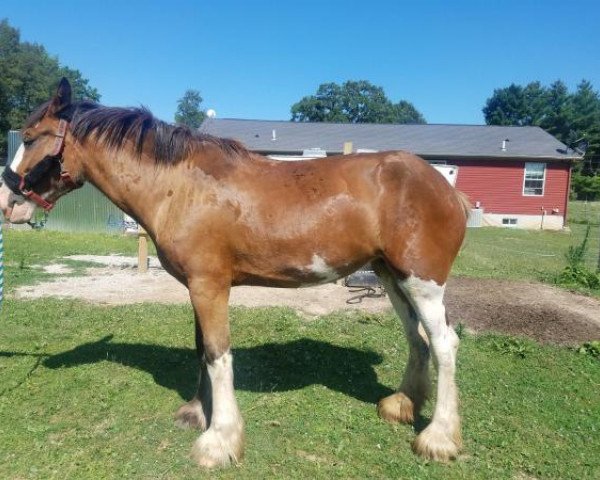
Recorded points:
(509, 222)
(535, 174)
(437, 162)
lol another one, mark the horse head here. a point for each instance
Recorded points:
(42, 170)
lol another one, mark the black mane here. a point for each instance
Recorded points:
(113, 126)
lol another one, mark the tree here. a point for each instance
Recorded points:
(353, 102)
(585, 115)
(29, 77)
(557, 120)
(405, 112)
(516, 105)
(188, 109)
(586, 187)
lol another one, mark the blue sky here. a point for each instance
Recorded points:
(254, 59)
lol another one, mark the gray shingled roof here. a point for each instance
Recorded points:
(425, 140)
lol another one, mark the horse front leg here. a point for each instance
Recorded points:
(223, 442)
(196, 413)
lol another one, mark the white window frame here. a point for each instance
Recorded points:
(543, 179)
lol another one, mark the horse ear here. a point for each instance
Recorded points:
(62, 99)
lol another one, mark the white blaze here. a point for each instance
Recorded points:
(18, 158)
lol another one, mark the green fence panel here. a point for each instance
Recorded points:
(85, 210)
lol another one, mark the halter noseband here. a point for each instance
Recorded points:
(23, 185)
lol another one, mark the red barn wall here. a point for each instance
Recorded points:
(498, 186)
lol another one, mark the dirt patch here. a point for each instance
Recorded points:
(542, 312)
(539, 311)
(57, 269)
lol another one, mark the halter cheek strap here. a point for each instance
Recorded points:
(59, 146)
(59, 140)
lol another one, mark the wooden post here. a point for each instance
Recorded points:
(142, 250)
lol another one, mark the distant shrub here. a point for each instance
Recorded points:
(576, 253)
(579, 275)
(576, 273)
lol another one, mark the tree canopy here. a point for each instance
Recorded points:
(188, 109)
(29, 76)
(353, 102)
(568, 116)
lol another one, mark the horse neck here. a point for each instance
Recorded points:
(138, 186)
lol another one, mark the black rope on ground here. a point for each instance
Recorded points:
(366, 292)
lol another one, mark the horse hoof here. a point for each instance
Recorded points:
(396, 408)
(191, 415)
(435, 443)
(214, 449)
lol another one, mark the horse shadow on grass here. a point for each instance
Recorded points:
(272, 367)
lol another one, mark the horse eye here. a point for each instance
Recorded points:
(28, 142)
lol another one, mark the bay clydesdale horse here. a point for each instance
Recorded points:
(222, 216)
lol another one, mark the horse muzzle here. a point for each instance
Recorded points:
(16, 209)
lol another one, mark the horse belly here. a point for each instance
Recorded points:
(302, 269)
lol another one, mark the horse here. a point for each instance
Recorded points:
(222, 216)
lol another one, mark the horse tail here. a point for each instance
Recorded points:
(465, 204)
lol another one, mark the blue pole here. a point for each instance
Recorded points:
(1, 268)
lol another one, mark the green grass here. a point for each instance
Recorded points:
(89, 392)
(522, 254)
(584, 212)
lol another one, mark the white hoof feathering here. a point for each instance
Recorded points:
(219, 449)
(438, 444)
(191, 415)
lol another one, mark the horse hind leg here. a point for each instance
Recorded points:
(441, 440)
(404, 405)
(196, 413)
